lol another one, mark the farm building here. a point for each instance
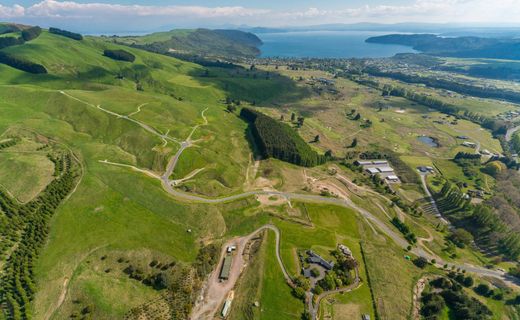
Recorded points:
(392, 178)
(385, 169)
(226, 267)
(225, 309)
(317, 259)
(372, 170)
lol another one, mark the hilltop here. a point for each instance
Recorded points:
(202, 42)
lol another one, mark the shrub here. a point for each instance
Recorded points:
(461, 238)
(421, 262)
(120, 55)
(483, 289)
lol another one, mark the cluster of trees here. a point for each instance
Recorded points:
(120, 55)
(159, 280)
(460, 237)
(10, 41)
(471, 165)
(31, 33)
(434, 82)
(405, 230)
(21, 64)
(340, 276)
(30, 223)
(27, 35)
(452, 295)
(65, 33)
(497, 126)
(206, 259)
(278, 140)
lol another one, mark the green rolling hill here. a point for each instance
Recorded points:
(202, 42)
(115, 212)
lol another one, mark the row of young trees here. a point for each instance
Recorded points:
(405, 230)
(480, 220)
(25, 234)
(65, 33)
(278, 140)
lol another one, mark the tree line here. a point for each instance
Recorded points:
(22, 64)
(481, 92)
(498, 127)
(25, 235)
(278, 140)
(65, 33)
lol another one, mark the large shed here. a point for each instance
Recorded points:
(226, 267)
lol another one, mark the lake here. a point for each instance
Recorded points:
(327, 44)
(428, 141)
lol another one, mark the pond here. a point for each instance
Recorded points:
(432, 142)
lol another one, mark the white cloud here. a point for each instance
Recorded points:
(53, 8)
(11, 12)
(106, 16)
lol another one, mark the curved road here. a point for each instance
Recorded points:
(167, 185)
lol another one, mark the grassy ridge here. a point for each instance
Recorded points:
(202, 42)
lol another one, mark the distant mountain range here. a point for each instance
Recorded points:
(451, 29)
(462, 47)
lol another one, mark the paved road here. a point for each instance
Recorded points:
(510, 132)
(167, 185)
(347, 204)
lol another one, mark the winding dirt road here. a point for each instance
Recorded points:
(215, 291)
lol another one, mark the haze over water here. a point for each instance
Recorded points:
(327, 44)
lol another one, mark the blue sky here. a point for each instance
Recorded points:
(117, 16)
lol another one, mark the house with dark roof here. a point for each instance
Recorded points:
(317, 259)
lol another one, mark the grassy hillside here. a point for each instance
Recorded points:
(115, 210)
(201, 42)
